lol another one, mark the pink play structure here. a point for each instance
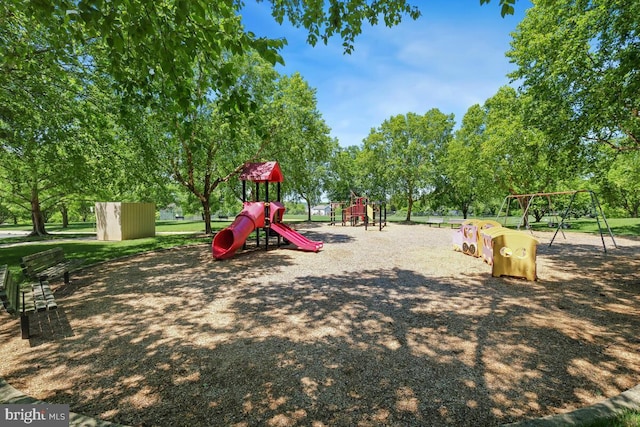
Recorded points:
(468, 238)
(508, 252)
(259, 215)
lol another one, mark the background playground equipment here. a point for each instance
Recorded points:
(509, 252)
(525, 201)
(257, 215)
(360, 210)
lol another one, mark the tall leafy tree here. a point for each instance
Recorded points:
(579, 61)
(305, 146)
(45, 110)
(619, 182)
(59, 136)
(410, 147)
(208, 146)
(342, 174)
(521, 158)
(205, 145)
(160, 41)
(466, 175)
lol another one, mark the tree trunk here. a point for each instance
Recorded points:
(409, 207)
(523, 202)
(308, 210)
(206, 209)
(37, 217)
(65, 215)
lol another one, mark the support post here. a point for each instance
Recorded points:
(598, 211)
(24, 319)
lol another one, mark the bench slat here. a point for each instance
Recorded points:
(435, 220)
(39, 261)
(43, 297)
(48, 264)
(58, 270)
(26, 305)
(8, 290)
(14, 292)
(24, 299)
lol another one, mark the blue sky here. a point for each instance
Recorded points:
(450, 58)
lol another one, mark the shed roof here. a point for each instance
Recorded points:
(262, 172)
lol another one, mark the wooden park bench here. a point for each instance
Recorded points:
(435, 220)
(456, 222)
(23, 299)
(49, 264)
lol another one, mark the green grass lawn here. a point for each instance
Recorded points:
(630, 418)
(93, 251)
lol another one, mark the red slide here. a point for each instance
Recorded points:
(296, 238)
(228, 241)
(276, 212)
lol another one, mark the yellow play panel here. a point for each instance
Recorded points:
(510, 252)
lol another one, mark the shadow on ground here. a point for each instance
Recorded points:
(178, 339)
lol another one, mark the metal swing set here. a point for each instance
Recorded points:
(560, 225)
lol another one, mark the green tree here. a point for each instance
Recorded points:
(59, 134)
(410, 147)
(466, 175)
(149, 42)
(342, 174)
(579, 62)
(619, 182)
(43, 135)
(304, 146)
(207, 146)
(204, 145)
(521, 158)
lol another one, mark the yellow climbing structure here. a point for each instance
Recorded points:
(510, 252)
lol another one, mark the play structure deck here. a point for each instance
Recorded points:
(359, 210)
(259, 215)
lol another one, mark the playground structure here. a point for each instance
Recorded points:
(513, 252)
(508, 252)
(467, 237)
(259, 215)
(526, 200)
(359, 210)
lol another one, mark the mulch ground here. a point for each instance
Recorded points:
(386, 327)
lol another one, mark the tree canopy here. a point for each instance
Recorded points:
(579, 61)
(405, 151)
